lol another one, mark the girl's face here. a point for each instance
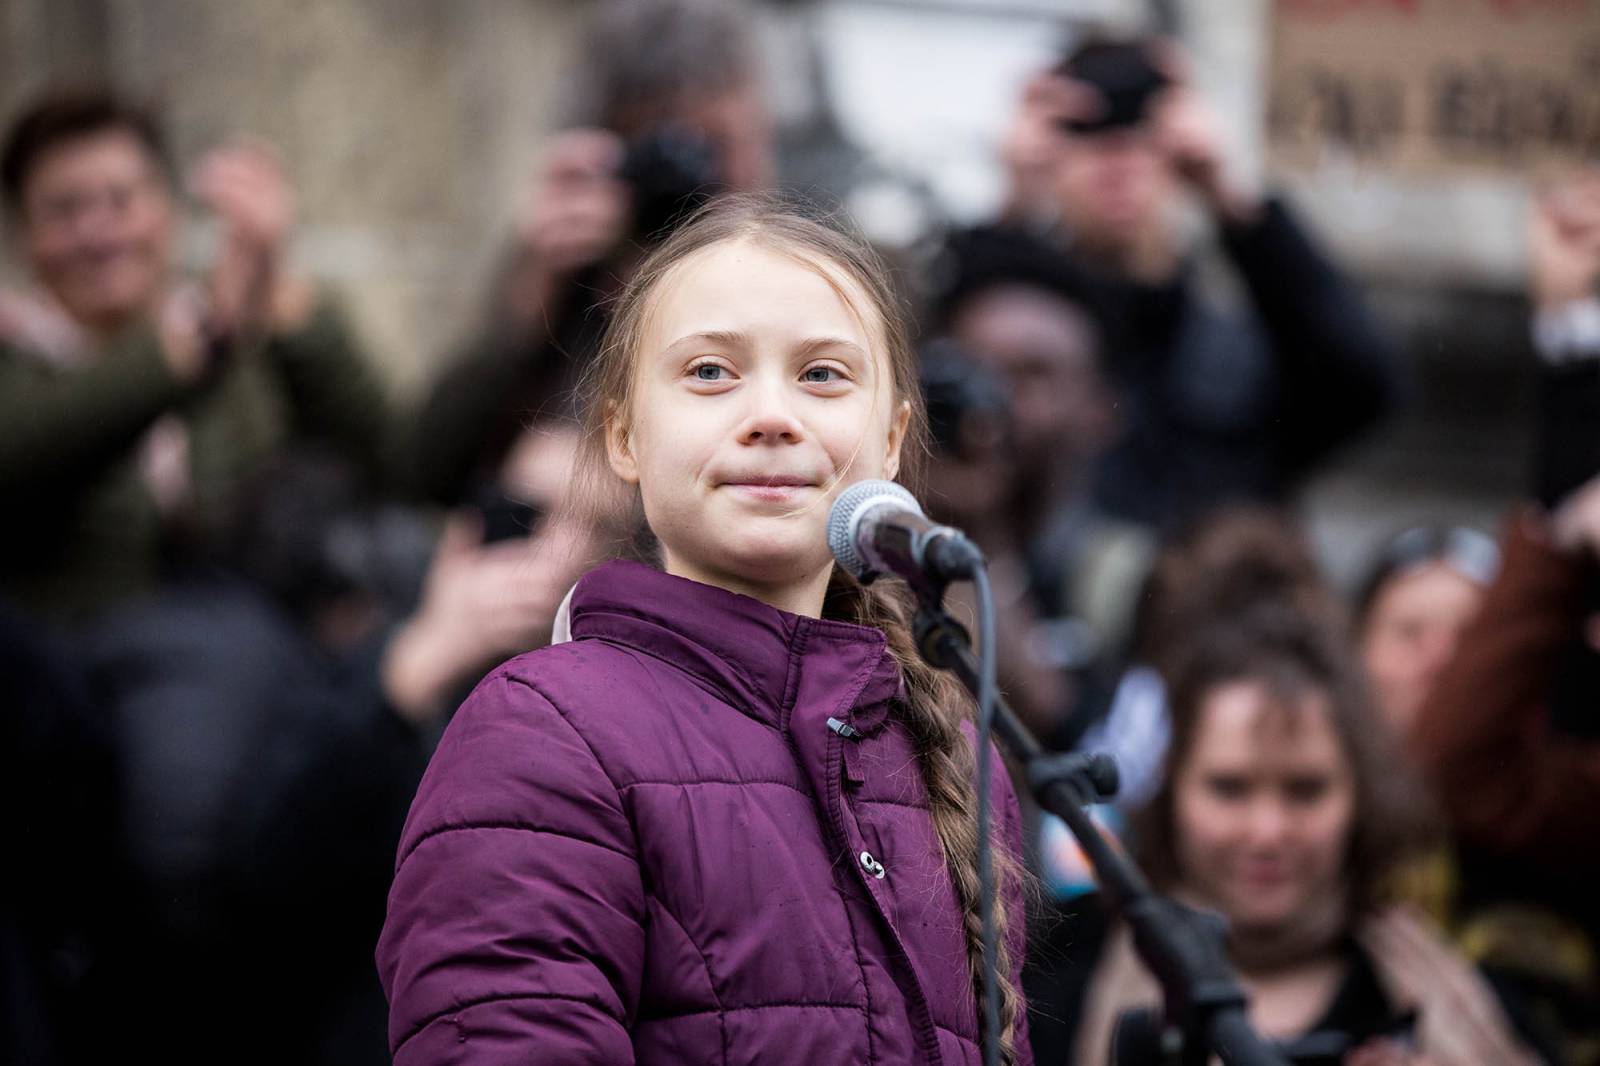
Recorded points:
(758, 395)
(1262, 806)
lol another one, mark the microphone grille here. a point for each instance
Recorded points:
(844, 520)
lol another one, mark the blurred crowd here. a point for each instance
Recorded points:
(241, 590)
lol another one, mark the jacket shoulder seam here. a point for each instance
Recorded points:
(542, 694)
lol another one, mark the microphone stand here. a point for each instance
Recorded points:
(1182, 947)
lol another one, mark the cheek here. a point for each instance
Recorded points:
(856, 442)
(665, 453)
(151, 224)
(49, 248)
(1326, 833)
(1205, 830)
(1389, 653)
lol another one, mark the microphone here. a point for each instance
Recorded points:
(877, 527)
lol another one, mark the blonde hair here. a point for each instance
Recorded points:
(934, 706)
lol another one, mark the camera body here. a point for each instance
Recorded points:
(671, 171)
(968, 406)
(1124, 75)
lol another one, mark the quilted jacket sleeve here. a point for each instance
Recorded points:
(514, 932)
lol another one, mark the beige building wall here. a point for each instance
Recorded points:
(409, 127)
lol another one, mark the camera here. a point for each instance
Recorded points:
(1124, 75)
(671, 171)
(968, 406)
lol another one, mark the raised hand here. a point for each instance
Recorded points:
(1190, 135)
(245, 184)
(575, 214)
(1564, 241)
(480, 603)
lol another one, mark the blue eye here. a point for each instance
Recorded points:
(820, 375)
(709, 372)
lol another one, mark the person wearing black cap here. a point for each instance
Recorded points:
(1217, 403)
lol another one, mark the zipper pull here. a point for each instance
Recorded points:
(844, 729)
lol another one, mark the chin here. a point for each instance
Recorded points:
(114, 303)
(1258, 913)
(774, 561)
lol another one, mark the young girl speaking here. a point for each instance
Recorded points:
(733, 820)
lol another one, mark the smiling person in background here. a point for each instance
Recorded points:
(134, 406)
(1281, 808)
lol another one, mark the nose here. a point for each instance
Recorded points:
(1269, 822)
(94, 219)
(771, 418)
(1435, 648)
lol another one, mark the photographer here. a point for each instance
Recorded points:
(666, 112)
(1509, 737)
(1218, 403)
(1021, 410)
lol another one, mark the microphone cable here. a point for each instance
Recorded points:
(988, 692)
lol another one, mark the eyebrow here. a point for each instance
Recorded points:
(738, 339)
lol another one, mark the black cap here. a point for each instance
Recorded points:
(1125, 75)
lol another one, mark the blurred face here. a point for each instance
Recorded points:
(1046, 351)
(1411, 632)
(1262, 807)
(758, 395)
(1113, 187)
(97, 221)
(1030, 150)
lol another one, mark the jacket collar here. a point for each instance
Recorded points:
(749, 653)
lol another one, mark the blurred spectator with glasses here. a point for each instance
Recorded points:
(1424, 586)
(133, 406)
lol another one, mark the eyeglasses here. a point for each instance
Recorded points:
(1472, 554)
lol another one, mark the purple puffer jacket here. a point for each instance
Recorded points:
(649, 845)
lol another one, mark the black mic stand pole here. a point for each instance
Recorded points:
(1182, 947)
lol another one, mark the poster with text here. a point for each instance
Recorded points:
(1434, 86)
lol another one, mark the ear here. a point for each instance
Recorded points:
(897, 438)
(619, 451)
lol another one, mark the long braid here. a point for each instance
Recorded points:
(934, 710)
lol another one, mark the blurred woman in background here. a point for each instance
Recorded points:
(1281, 808)
(1422, 589)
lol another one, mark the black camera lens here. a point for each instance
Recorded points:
(672, 171)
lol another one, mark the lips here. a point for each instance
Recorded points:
(1264, 876)
(783, 490)
(780, 481)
